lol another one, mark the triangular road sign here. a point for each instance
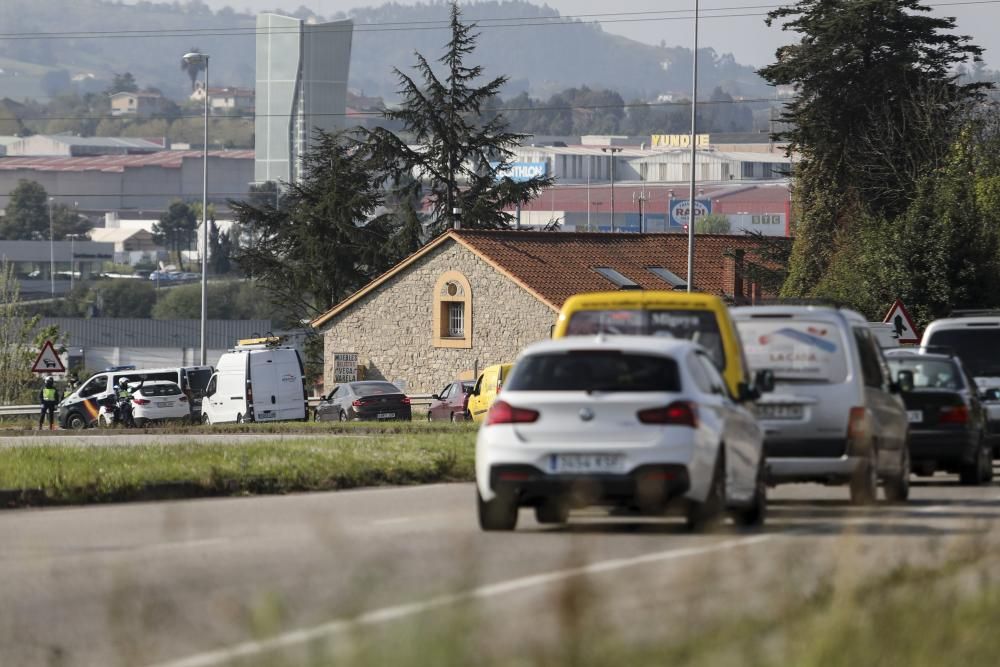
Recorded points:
(48, 360)
(903, 328)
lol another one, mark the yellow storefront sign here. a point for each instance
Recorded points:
(679, 140)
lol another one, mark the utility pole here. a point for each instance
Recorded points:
(611, 150)
(640, 198)
(694, 151)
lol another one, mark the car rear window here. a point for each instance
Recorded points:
(597, 370)
(928, 373)
(197, 380)
(161, 390)
(700, 326)
(976, 347)
(798, 350)
(376, 388)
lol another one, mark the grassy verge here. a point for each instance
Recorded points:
(17, 426)
(59, 474)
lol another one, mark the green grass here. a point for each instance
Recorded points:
(81, 474)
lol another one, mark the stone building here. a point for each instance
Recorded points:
(470, 299)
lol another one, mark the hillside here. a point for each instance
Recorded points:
(539, 53)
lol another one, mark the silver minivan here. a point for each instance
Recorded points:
(835, 416)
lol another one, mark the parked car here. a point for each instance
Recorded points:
(633, 422)
(257, 383)
(947, 419)
(159, 401)
(364, 400)
(702, 318)
(835, 416)
(484, 392)
(451, 404)
(974, 336)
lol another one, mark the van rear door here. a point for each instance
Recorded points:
(290, 396)
(263, 385)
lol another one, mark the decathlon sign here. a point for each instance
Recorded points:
(521, 171)
(680, 211)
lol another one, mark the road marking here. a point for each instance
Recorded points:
(396, 612)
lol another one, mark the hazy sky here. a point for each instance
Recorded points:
(745, 36)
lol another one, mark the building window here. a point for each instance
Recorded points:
(456, 319)
(452, 311)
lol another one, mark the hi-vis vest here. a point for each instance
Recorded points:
(49, 394)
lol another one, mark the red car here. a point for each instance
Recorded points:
(451, 403)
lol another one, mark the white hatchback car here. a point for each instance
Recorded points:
(635, 422)
(159, 401)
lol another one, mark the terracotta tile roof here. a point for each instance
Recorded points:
(556, 265)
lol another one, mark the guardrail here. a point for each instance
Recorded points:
(32, 410)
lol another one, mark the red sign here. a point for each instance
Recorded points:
(903, 328)
(48, 360)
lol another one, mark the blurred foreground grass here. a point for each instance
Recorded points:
(81, 474)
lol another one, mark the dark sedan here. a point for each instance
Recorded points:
(369, 400)
(947, 419)
(451, 403)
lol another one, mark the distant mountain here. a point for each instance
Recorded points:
(540, 52)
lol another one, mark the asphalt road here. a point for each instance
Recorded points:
(204, 582)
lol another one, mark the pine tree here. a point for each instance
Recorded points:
(459, 149)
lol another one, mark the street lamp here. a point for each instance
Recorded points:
(52, 253)
(694, 153)
(612, 150)
(202, 59)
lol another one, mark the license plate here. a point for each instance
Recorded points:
(915, 416)
(386, 415)
(265, 414)
(586, 463)
(168, 404)
(778, 411)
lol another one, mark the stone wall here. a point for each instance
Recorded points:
(391, 328)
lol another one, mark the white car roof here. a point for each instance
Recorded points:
(153, 383)
(746, 312)
(659, 345)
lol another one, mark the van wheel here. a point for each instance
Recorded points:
(343, 416)
(897, 489)
(864, 483)
(206, 420)
(76, 421)
(453, 420)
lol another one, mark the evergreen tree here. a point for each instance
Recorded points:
(459, 151)
(876, 110)
(26, 216)
(325, 241)
(176, 229)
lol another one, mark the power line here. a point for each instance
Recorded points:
(571, 107)
(441, 24)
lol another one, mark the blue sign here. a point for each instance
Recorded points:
(679, 211)
(520, 172)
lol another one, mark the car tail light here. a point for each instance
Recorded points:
(141, 401)
(954, 414)
(406, 400)
(503, 413)
(678, 413)
(357, 403)
(857, 424)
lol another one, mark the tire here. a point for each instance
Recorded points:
(316, 417)
(239, 419)
(552, 511)
(897, 489)
(497, 514)
(974, 474)
(206, 420)
(452, 417)
(755, 515)
(864, 483)
(76, 421)
(343, 416)
(704, 515)
(429, 416)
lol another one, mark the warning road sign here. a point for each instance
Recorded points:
(48, 360)
(903, 328)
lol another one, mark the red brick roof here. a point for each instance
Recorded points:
(553, 266)
(115, 163)
(557, 265)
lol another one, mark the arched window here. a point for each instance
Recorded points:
(452, 311)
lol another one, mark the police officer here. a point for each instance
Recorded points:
(49, 397)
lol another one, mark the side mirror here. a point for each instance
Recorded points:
(748, 393)
(763, 381)
(991, 395)
(904, 380)
(435, 397)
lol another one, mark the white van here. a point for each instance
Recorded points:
(256, 383)
(80, 408)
